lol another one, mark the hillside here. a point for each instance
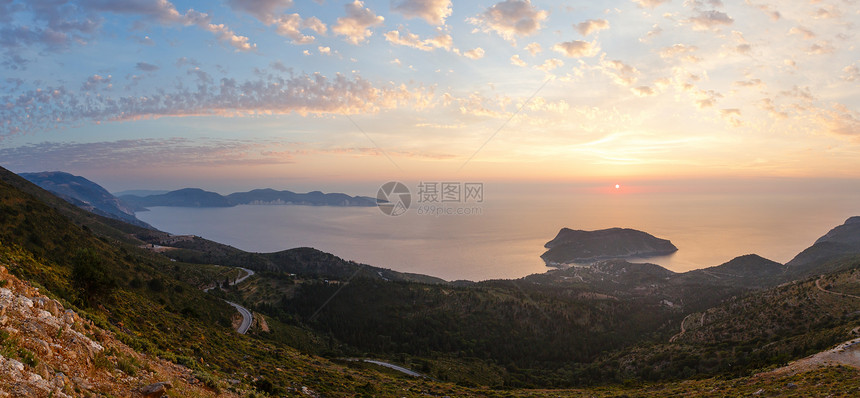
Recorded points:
(85, 194)
(569, 328)
(839, 242)
(578, 246)
(47, 350)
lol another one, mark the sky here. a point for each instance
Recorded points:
(240, 94)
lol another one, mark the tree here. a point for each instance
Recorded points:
(90, 277)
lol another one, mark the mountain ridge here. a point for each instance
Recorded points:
(196, 197)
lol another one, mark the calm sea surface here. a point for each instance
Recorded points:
(506, 239)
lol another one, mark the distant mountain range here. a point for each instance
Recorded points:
(195, 197)
(85, 194)
(90, 196)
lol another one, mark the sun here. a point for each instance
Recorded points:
(617, 186)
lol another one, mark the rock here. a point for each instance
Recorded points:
(156, 390)
(54, 307)
(60, 380)
(791, 386)
(69, 317)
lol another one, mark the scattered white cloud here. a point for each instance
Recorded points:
(643, 91)
(621, 73)
(710, 20)
(577, 48)
(264, 10)
(516, 60)
(650, 3)
(433, 11)
(550, 64)
(403, 37)
(682, 51)
(301, 94)
(592, 25)
(800, 30)
(534, 48)
(511, 18)
(851, 73)
(355, 26)
(475, 53)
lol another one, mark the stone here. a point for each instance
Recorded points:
(156, 390)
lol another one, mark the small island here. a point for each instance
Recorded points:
(578, 246)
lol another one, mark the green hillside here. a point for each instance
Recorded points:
(604, 330)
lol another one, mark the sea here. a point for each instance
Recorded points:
(502, 236)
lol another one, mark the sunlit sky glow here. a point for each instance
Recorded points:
(238, 94)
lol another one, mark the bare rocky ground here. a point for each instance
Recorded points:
(47, 350)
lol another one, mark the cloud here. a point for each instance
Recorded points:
(706, 98)
(511, 18)
(40, 109)
(851, 73)
(165, 13)
(409, 39)
(550, 64)
(516, 60)
(355, 25)
(650, 3)
(291, 26)
(476, 53)
(677, 50)
(432, 11)
(732, 115)
(749, 83)
(176, 152)
(534, 48)
(655, 31)
(95, 82)
(592, 25)
(643, 91)
(146, 67)
(800, 30)
(264, 10)
(621, 73)
(710, 20)
(841, 121)
(577, 48)
(822, 47)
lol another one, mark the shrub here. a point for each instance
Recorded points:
(89, 276)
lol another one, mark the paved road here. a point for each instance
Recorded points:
(818, 285)
(389, 365)
(246, 317)
(248, 274)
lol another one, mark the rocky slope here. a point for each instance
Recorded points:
(47, 350)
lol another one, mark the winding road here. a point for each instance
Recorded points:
(818, 285)
(388, 365)
(247, 317)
